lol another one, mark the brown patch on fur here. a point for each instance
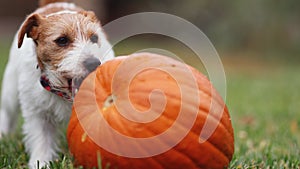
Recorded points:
(29, 28)
(48, 51)
(45, 2)
(91, 15)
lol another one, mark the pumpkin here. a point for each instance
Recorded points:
(149, 111)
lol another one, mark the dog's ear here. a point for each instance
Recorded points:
(29, 27)
(91, 15)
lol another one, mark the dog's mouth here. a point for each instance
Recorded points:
(66, 92)
(75, 84)
(63, 92)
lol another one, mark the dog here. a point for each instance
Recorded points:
(55, 48)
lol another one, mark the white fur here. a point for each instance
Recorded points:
(62, 12)
(63, 5)
(42, 111)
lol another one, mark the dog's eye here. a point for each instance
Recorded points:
(94, 38)
(62, 41)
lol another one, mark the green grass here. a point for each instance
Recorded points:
(266, 117)
(263, 99)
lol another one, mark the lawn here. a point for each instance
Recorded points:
(264, 105)
(263, 98)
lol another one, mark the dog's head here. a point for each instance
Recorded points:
(69, 45)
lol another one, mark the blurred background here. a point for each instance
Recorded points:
(267, 28)
(259, 44)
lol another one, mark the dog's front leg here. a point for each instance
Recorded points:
(40, 139)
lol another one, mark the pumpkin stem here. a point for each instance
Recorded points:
(109, 101)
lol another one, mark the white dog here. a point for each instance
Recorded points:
(63, 44)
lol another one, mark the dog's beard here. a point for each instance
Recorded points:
(63, 87)
(65, 91)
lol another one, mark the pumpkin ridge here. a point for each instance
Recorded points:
(185, 154)
(216, 98)
(167, 94)
(225, 109)
(168, 151)
(213, 117)
(156, 162)
(182, 156)
(209, 94)
(216, 147)
(222, 127)
(101, 78)
(118, 124)
(211, 146)
(198, 166)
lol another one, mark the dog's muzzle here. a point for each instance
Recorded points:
(70, 91)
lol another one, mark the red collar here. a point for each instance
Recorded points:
(64, 92)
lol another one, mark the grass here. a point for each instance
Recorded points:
(266, 117)
(263, 99)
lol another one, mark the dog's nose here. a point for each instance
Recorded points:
(91, 63)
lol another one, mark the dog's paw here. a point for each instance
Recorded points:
(38, 165)
(41, 160)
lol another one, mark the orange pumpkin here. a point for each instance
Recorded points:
(149, 111)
